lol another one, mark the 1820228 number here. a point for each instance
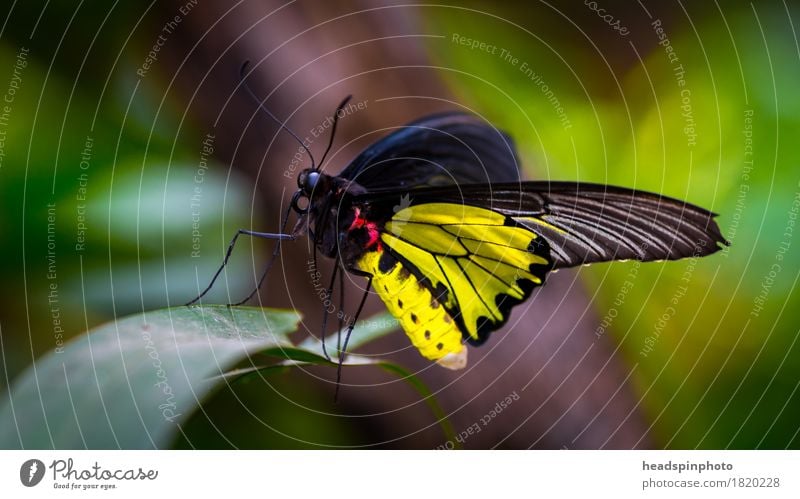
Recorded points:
(758, 482)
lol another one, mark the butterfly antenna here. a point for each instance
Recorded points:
(243, 82)
(333, 128)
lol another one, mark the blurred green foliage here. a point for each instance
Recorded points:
(111, 159)
(86, 139)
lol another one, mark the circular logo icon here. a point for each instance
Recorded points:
(31, 472)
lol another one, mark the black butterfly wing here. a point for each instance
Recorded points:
(441, 149)
(582, 223)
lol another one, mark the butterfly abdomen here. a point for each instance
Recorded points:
(427, 323)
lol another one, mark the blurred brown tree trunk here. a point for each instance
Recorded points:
(573, 388)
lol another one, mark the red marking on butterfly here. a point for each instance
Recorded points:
(360, 222)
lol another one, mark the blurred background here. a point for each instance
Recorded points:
(128, 159)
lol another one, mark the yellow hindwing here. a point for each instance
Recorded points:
(485, 263)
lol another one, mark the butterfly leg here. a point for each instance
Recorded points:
(341, 315)
(350, 328)
(267, 268)
(264, 235)
(326, 313)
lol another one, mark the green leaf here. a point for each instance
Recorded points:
(130, 383)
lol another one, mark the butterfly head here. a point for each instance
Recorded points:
(311, 182)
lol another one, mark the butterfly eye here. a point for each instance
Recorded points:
(311, 181)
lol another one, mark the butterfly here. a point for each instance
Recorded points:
(435, 217)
